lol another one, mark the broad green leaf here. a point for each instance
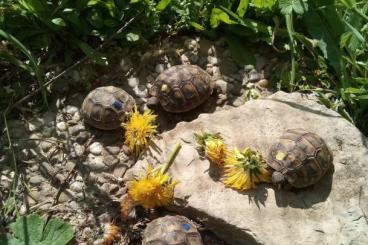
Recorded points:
(58, 22)
(240, 51)
(352, 90)
(132, 37)
(356, 33)
(30, 230)
(263, 4)
(288, 6)
(242, 7)
(363, 97)
(348, 3)
(197, 26)
(318, 29)
(162, 4)
(91, 53)
(217, 16)
(57, 233)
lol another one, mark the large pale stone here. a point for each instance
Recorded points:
(331, 212)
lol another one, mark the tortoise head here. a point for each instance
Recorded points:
(278, 179)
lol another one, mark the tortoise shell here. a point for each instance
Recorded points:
(171, 230)
(302, 157)
(106, 107)
(181, 88)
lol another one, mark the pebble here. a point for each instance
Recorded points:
(74, 130)
(71, 109)
(79, 149)
(61, 126)
(36, 179)
(184, 59)
(95, 163)
(224, 86)
(159, 68)
(95, 148)
(114, 150)
(45, 145)
(111, 160)
(263, 83)
(212, 60)
(77, 186)
(133, 82)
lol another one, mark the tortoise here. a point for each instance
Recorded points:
(106, 107)
(171, 230)
(181, 88)
(300, 158)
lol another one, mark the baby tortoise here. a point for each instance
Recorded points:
(171, 230)
(106, 107)
(299, 157)
(181, 88)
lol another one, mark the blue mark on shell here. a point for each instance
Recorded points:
(117, 105)
(186, 226)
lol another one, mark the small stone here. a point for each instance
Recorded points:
(77, 116)
(71, 109)
(212, 60)
(95, 148)
(133, 82)
(47, 131)
(36, 179)
(263, 83)
(79, 149)
(159, 68)
(45, 145)
(77, 186)
(74, 130)
(184, 59)
(224, 86)
(34, 125)
(248, 68)
(61, 126)
(113, 150)
(95, 163)
(69, 165)
(111, 160)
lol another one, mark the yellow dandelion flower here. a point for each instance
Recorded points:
(242, 170)
(155, 189)
(214, 147)
(215, 151)
(139, 130)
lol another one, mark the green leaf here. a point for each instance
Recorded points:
(132, 37)
(30, 230)
(240, 52)
(12, 59)
(217, 16)
(288, 6)
(162, 4)
(348, 3)
(263, 4)
(33, 63)
(58, 22)
(316, 26)
(91, 53)
(352, 90)
(57, 233)
(242, 7)
(197, 26)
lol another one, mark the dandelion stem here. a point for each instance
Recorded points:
(172, 157)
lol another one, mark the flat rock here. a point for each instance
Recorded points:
(331, 212)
